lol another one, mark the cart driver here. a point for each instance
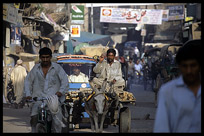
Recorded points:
(78, 76)
(110, 69)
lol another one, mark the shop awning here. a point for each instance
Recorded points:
(87, 37)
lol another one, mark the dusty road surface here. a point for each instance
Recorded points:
(16, 120)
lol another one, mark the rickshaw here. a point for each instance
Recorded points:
(72, 109)
(168, 69)
(78, 92)
(168, 54)
(150, 69)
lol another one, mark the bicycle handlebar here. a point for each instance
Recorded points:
(36, 99)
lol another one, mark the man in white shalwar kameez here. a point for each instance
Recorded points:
(110, 69)
(78, 76)
(18, 76)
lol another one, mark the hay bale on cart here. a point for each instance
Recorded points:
(94, 50)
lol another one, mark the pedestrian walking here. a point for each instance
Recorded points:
(137, 52)
(131, 68)
(45, 79)
(138, 71)
(130, 72)
(18, 76)
(179, 104)
(124, 67)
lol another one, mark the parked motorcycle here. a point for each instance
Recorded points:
(10, 95)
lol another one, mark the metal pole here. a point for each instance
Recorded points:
(92, 18)
(68, 9)
(143, 46)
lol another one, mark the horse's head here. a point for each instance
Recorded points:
(99, 97)
(99, 101)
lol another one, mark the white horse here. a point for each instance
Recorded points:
(97, 105)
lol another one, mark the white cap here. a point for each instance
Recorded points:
(19, 62)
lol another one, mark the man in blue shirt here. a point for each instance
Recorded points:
(179, 105)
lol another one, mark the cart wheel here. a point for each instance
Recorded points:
(124, 120)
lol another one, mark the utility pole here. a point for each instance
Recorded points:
(92, 18)
(68, 7)
(69, 43)
(143, 37)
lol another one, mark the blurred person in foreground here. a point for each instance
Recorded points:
(18, 76)
(179, 104)
(45, 79)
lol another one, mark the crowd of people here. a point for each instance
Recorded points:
(134, 69)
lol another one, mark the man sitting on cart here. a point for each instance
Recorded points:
(78, 76)
(110, 69)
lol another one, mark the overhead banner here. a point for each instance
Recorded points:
(131, 16)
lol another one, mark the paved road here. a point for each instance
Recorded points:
(17, 120)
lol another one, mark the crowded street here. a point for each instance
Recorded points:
(101, 68)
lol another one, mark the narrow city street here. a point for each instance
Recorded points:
(92, 52)
(17, 120)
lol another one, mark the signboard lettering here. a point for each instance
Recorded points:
(133, 16)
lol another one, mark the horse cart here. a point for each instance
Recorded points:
(86, 103)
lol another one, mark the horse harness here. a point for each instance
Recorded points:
(93, 107)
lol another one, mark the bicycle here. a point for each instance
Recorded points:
(44, 122)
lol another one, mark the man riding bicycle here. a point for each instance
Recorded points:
(45, 79)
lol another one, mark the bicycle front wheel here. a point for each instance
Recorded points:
(41, 128)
